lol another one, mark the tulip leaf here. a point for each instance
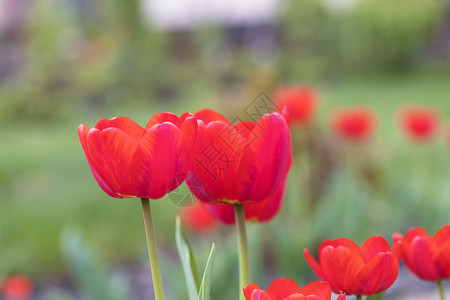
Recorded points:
(378, 296)
(188, 262)
(204, 293)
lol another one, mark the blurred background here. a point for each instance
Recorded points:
(67, 62)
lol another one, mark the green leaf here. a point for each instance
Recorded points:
(204, 293)
(378, 296)
(188, 262)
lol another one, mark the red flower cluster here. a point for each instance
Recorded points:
(353, 124)
(300, 102)
(419, 123)
(287, 289)
(425, 256)
(366, 270)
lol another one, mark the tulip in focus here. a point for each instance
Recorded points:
(366, 270)
(300, 101)
(287, 289)
(197, 219)
(419, 123)
(130, 161)
(353, 124)
(17, 287)
(428, 257)
(241, 163)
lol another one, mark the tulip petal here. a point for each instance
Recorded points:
(301, 297)
(124, 124)
(313, 264)
(221, 212)
(318, 288)
(442, 236)
(340, 266)
(110, 152)
(377, 276)
(342, 297)
(443, 261)
(209, 115)
(162, 117)
(420, 258)
(260, 295)
(283, 287)
(189, 130)
(248, 289)
(345, 242)
(161, 161)
(374, 245)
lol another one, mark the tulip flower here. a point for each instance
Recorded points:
(287, 289)
(130, 161)
(366, 270)
(428, 257)
(353, 124)
(239, 164)
(262, 211)
(300, 101)
(16, 287)
(419, 123)
(197, 219)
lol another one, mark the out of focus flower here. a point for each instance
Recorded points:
(262, 211)
(353, 124)
(366, 270)
(428, 257)
(130, 161)
(17, 287)
(241, 163)
(419, 123)
(301, 103)
(285, 288)
(197, 219)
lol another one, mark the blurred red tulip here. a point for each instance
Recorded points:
(241, 163)
(130, 161)
(300, 101)
(197, 219)
(419, 123)
(353, 124)
(366, 270)
(17, 287)
(262, 211)
(285, 288)
(427, 257)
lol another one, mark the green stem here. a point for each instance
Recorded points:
(441, 289)
(156, 274)
(244, 272)
(358, 297)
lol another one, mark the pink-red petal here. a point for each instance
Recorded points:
(283, 287)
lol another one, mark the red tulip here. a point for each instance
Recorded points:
(240, 163)
(17, 287)
(354, 124)
(197, 219)
(419, 123)
(287, 289)
(366, 270)
(427, 257)
(130, 161)
(262, 211)
(300, 101)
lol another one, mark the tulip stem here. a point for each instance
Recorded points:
(244, 272)
(154, 265)
(358, 297)
(441, 289)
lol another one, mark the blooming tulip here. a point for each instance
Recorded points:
(197, 219)
(419, 123)
(287, 289)
(366, 270)
(240, 163)
(262, 211)
(428, 257)
(130, 161)
(354, 124)
(17, 287)
(301, 103)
